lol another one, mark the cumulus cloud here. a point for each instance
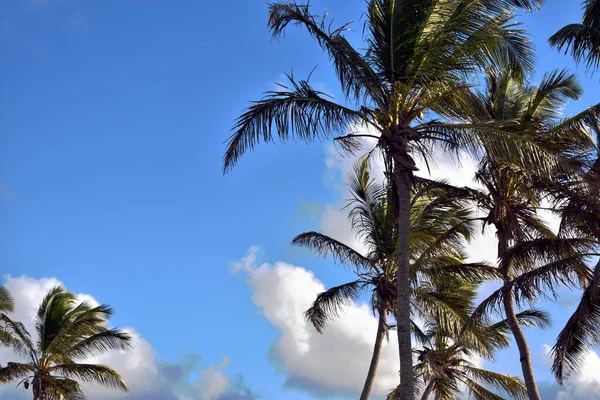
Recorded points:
(332, 363)
(583, 385)
(146, 377)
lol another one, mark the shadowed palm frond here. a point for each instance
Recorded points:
(91, 373)
(329, 303)
(357, 79)
(295, 112)
(582, 40)
(14, 371)
(580, 332)
(323, 245)
(6, 301)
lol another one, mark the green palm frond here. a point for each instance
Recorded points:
(329, 303)
(6, 301)
(357, 79)
(295, 112)
(91, 373)
(582, 40)
(324, 245)
(580, 332)
(14, 371)
(98, 343)
(506, 383)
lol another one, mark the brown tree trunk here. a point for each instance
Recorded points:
(403, 181)
(428, 390)
(376, 353)
(513, 324)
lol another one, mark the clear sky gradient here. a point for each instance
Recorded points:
(113, 117)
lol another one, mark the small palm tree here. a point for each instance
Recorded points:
(442, 284)
(582, 40)
(68, 331)
(420, 56)
(445, 367)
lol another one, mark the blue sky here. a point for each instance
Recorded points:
(112, 127)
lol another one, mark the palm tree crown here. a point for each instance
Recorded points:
(68, 331)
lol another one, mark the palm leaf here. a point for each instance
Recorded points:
(329, 303)
(297, 112)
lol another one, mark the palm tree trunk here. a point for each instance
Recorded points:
(428, 391)
(403, 181)
(513, 324)
(376, 353)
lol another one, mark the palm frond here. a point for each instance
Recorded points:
(14, 371)
(295, 112)
(324, 245)
(92, 373)
(506, 383)
(99, 343)
(329, 303)
(357, 79)
(580, 332)
(6, 301)
(20, 339)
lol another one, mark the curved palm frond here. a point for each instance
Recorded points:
(324, 245)
(91, 373)
(14, 371)
(329, 303)
(511, 385)
(357, 79)
(295, 112)
(582, 40)
(580, 332)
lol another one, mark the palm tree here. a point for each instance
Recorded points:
(439, 226)
(582, 40)
(578, 203)
(418, 60)
(512, 196)
(445, 365)
(68, 331)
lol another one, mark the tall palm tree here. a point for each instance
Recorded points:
(419, 57)
(582, 39)
(512, 197)
(446, 366)
(68, 331)
(439, 226)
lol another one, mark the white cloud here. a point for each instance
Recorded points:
(585, 384)
(146, 378)
(283, 293)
